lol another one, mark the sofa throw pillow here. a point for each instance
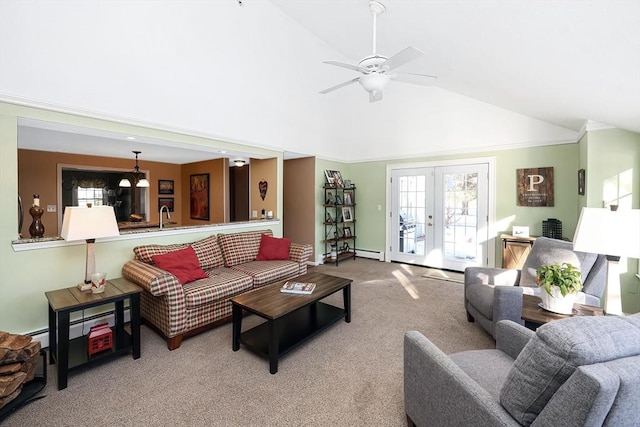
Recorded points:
(182, 263)
(556, 351)
(273, 248)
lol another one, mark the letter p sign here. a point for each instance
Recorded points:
(534, 180)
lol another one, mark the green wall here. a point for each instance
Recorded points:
(602, 153)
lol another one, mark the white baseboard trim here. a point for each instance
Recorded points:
(365, 253)
(76, 329)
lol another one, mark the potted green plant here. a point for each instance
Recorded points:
(560, 284)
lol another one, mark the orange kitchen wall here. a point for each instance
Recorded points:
(217, 195)
(263, 171)
(37, 174)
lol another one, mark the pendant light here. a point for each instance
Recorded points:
(138, 177)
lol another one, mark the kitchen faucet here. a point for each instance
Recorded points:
(168, 214)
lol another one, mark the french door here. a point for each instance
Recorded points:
(439, 216)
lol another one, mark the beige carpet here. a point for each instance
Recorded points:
(349, 375)
(449, 276)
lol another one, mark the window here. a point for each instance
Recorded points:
(90, 195)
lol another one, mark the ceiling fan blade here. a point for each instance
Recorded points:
(375, 97)
(331, 89)
(401, 58)
(345, 65)
(413, 78)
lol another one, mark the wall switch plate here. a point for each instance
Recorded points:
(51, 208)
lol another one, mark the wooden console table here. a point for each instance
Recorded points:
(69, 354)
(515, 250)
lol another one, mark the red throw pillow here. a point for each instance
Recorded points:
(273, 248)
(183, 264)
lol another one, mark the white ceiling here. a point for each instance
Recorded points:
(563, 62)
(510, 73)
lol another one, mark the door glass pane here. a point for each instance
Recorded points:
(411, 218)
(461, 216)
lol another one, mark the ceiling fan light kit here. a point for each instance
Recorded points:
(374, 68)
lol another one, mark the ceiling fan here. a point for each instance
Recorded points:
(375, 68)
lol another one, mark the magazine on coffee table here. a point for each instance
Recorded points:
(291, 287)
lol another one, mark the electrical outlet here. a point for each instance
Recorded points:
(254, 214)
(51, 208)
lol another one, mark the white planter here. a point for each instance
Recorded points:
(556, 302)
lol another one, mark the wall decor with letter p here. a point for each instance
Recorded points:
(535, 186)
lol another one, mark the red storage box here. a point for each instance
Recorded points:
(100, 338)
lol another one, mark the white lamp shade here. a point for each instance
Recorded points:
(143, 183)
(607, 232)
(82, 223)
(124, 182)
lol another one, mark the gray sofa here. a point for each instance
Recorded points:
(580, 371)
(495, 294)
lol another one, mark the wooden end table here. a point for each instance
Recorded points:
(291, 319)
(69, 354)
(534, 315)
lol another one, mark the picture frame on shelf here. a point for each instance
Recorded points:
(347, 183)
(166, 201)
(330, 199)
(328, 174)
(348, 197)
(346, 231)
(165, 186)
(347, 214)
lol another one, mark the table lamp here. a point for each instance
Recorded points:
(89, 223)
(613, 233)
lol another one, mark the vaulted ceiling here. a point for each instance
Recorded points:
(510, 73)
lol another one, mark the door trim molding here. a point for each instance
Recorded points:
(491, 209)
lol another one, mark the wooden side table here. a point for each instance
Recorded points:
(69, 354)
(534, 315)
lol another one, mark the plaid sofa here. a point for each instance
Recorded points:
(177, 311)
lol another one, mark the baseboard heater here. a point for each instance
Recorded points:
(81, 327)
(366, 253)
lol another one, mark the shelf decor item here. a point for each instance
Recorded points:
(98, 282)
(36, 229)
(89, 223)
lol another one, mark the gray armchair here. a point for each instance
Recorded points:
(580, 371)
(494, 294)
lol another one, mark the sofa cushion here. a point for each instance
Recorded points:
(222, 284)
(238, 248)
(548, 251)
(145, 253)
(273, 248)
(555, 352)
(265, 272)
(182, 263)
(208, 252)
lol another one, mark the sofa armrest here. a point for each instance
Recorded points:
(153, 279)
(300, 252)
(439, 392)
(491, 276)
(511, 337)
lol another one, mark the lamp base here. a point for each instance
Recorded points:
(84, 286)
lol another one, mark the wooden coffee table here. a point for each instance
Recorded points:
(291, 319)
(534, 315)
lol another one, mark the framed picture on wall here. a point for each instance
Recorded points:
(165, 201)
(581, 177)
(199, 196)
(165, 186)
